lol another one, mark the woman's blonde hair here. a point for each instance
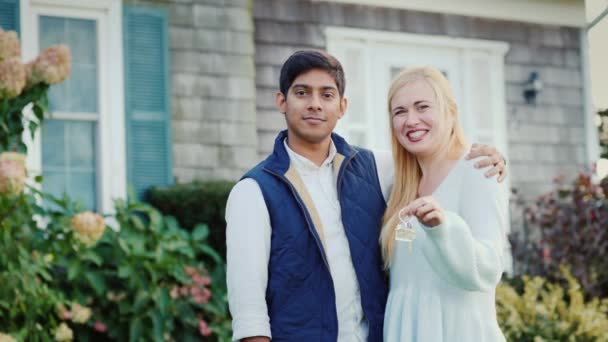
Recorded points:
(407, 170)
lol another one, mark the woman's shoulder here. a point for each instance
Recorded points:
(474, 179)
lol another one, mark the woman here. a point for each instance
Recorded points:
(442, 283)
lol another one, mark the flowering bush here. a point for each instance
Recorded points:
(545, 311)
(567, 226)
(21, 85)
(66, 276)
(145, 281)
(28, 299)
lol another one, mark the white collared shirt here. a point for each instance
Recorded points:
(248, 248)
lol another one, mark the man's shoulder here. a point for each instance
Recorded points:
(256, 171)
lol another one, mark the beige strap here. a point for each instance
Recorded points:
(294, 177)
(338, 160)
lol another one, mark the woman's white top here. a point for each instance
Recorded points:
(444, 288)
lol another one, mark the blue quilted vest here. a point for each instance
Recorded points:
(300, 294)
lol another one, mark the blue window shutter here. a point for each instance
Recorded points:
(149, 158)
(9, 15)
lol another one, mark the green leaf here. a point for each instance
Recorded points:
(125, 271)
(138, 223)
(200, 233)
(135, 330)
(124, 246)
(156, 221)
(73, 269)
(92, 257)
(187, 251)
(207, 250)
(162, 300)
(38, 179)
(33, 127)
(97, 282)
(38, 111)
(141, 299)
(158, 325)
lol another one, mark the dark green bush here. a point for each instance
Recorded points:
(194, 203)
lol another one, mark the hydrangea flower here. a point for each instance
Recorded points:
(12, 172)
(88, 227)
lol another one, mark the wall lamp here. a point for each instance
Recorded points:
(532, 87)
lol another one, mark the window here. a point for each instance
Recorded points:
(81, 147)
(69, 136)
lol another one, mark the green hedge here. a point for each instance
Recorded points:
(193, 203)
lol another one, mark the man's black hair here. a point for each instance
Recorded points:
(303, 61)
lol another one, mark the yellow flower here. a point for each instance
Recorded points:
(9, 45)
(88, 227)
(64, 333)
(6, 338)
(80, 314)
(12, 172)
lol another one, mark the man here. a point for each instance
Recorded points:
(303, 254)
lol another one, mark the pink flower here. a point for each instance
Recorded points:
(12, 172)
(12, 78)
(51, 67)
(65, 315)
(200, 299)
(204, 329)
(195, 291)
(198, 280)
(100, 327)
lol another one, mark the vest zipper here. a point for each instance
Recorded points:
(303, 208)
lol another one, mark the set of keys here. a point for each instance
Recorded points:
(405, 229)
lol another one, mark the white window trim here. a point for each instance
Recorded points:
(111, 144)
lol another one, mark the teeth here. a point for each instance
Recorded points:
(416, 134)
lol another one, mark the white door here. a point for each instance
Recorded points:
(389, 60)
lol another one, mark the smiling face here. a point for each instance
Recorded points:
(418, 123)
(312, 107)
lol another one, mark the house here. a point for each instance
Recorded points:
(165, 90)
(597, 16)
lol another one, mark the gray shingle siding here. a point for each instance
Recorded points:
(213, 79)
(544, 140)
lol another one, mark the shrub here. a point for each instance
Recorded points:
(143, 281)
(194, 203)
(567, 226)
(28, 300)
(545, 311)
